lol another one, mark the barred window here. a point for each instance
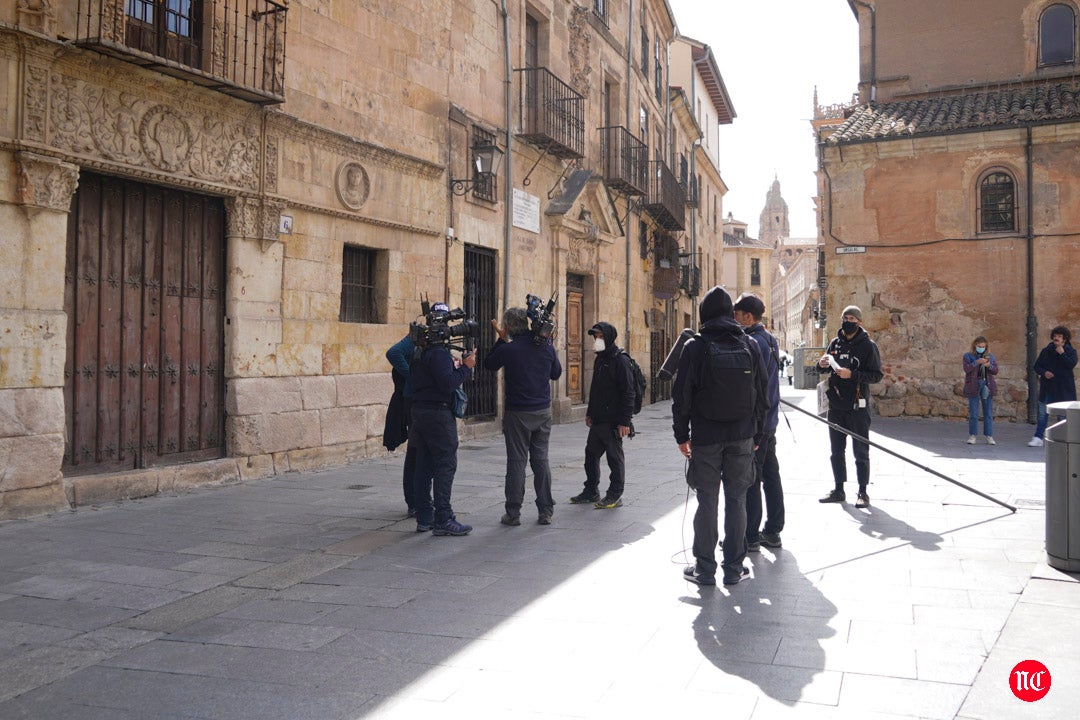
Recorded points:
(358, 285)
(997, 203)
(599, 8)
(486, 185)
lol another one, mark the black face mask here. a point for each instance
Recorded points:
(848, 327)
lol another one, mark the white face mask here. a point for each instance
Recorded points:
(598, 345)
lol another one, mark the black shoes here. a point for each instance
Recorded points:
(771, 540)
(863, 500)
(754, 546)
(608, 503)
(585, 497)
(509, 519)
(544, 519)
(691, 574)
(735, 579)
(836, 496)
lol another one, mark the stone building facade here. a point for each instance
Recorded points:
(746, 266)
(949, 196)
(209, 244)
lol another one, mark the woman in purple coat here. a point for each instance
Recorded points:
(980, 387)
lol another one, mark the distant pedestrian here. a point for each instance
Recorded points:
(789, 371)
(1056, 383)
(749, 310)
(608, 417)
(528, 369)
(980, 387)
(858, 366)
(396, 426)
(719, 402)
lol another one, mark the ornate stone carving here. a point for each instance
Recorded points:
(270, 160)
(45, 182)
(580, 40)
(37, 16)
(124, 127)
(352, 185)
(254, 218)
(35, 100)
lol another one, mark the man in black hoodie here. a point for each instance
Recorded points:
(719, 403)
(854, 364)
(611, 406)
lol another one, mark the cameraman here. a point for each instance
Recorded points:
(435, 377)
(530, 366)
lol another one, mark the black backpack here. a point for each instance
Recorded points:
(640, 383)
(726, 385)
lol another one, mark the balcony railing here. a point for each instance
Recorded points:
(691, 190)
(234, 46)
(552, 113)
(664, 198)
(624, 160)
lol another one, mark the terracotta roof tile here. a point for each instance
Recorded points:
(966, 111)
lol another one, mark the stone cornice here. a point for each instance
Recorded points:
(377, 222)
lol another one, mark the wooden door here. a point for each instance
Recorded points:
(144, 378)
(575, 332)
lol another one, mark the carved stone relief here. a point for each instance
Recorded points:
(124, 127)
(45, 182)
(37, 16)
(352, 185)
(35, 99)
(271, 161)
(580, 40)
(253, 218)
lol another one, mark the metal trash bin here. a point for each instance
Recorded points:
(1063, 488)
(806, 370)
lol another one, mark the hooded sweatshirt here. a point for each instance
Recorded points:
(611, 395)
(860, 355)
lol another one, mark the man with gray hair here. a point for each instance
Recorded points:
(530, 365)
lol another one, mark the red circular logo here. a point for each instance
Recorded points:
(1030, 680)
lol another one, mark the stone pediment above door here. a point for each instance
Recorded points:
(585, 208)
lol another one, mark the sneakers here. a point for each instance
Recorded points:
(754, 546)
(971, 439)
(691, 574)
(509, 519)
(735, 579)
(452, 527)
(423, 527)
(835, 496)
(544, 519)
(990, 440)
(771, 540)
(585, 497)
(863, 501)
(608, 502)
(1035, 442)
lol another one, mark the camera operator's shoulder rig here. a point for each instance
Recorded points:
(436, 330)
(541, 317)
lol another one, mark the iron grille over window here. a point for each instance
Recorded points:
(480, 302)
(485, 184)
(1057, 35)
(358, 286)
(235, 46)
(599, 8)
(997, 203)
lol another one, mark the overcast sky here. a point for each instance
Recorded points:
(771, 54)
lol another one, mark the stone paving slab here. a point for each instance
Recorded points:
(309, 595)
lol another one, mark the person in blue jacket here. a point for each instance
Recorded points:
(529, 367)
(1056, 383)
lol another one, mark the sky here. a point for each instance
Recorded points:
(771, 54)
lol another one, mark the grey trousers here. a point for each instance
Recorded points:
(731, 464)
(527, 433)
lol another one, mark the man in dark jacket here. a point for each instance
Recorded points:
(719, 402)
(436, 375)
(396, 427)
(748, 312)
(1054, 367)
(854, 364)
(611, 406)
(529, 369)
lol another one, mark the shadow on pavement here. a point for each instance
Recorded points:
(880, 525)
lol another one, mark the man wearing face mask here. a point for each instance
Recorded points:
(853, 362)
(611, 405)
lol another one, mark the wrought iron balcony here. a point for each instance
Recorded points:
(664, 199)
(691, 190)
(552, 113)
(234, 46)
(624, 161)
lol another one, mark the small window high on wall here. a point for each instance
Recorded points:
(997, 203)
(1057, 35)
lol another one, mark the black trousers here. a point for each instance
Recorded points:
(767, 479)
(604, 439)
(857, 421)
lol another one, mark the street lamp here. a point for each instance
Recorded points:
(486, 157)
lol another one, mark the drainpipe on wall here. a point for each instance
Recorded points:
(508, 190)
(1032, 325)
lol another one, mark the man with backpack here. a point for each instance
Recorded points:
(611, 407)
(719, 402)
(748, 312)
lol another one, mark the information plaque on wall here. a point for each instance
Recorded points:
(526, 211)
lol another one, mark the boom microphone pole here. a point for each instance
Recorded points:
(860, 438)
(671, 362)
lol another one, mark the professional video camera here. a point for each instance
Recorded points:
(541, 317)
(437, 330)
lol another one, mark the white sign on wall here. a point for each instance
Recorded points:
(526, 211)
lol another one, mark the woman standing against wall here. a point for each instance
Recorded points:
(980, 387)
